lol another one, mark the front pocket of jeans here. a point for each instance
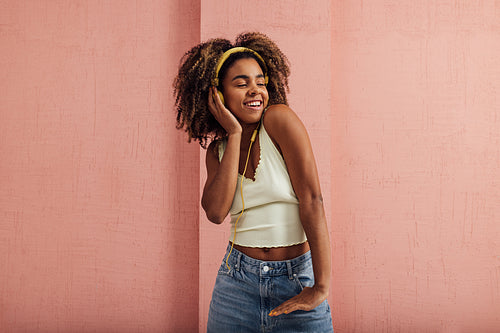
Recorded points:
(297, 281)
(303, 280)
(223, 270)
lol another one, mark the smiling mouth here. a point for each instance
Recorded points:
(254, 103)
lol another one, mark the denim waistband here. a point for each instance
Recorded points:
(238, 260)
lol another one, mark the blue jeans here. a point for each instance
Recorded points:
(244, 295)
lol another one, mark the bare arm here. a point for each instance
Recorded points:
(288, 132)
(222, 177)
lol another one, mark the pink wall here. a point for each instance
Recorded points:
(96, 186)
(416, 166)
(100, 226)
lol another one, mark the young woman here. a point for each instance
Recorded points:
(275, 275)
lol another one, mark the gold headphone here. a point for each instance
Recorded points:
(226, 55)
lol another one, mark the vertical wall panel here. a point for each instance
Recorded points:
(303, 32)
(416, 166)
(96, 185)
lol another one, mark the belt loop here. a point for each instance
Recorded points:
(289, 268)
(238, 262)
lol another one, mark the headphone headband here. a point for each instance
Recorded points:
(228, 53)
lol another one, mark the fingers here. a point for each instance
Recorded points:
(211, 100)
(215, 105)
(293, 304)
(286, 308)
(225, 118)
(214, 98)
(307, 300)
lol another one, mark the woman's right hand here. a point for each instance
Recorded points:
(225, 118)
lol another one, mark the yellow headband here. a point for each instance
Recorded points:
(232, 51)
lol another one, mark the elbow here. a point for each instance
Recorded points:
(214, 210)
(215, 218)
(312, 199)
(214, 215)
(311, 206)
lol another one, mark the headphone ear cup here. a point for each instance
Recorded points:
(221, 97)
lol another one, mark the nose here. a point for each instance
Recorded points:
(254, 89)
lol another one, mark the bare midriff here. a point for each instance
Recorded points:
(274, 253)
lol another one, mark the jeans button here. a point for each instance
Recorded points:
(265, 269)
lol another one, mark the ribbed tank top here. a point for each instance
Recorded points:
(271, 217)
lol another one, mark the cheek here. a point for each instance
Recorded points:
(232, 98)
(232, 101)
(266, 96)
(228, 96)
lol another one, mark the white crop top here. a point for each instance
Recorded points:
(271, 217)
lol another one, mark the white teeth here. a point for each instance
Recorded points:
(256, 103)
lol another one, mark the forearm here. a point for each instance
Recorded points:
(219, 192)
(314, 223)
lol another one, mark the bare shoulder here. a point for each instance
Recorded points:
(279, 115)
(282, 124)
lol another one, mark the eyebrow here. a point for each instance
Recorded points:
(246, 77)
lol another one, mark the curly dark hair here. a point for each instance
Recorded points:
(197, 69)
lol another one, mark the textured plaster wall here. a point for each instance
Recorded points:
(98, 191)
(416, 166)
(100, 226)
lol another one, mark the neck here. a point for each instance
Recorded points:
(248, 131)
